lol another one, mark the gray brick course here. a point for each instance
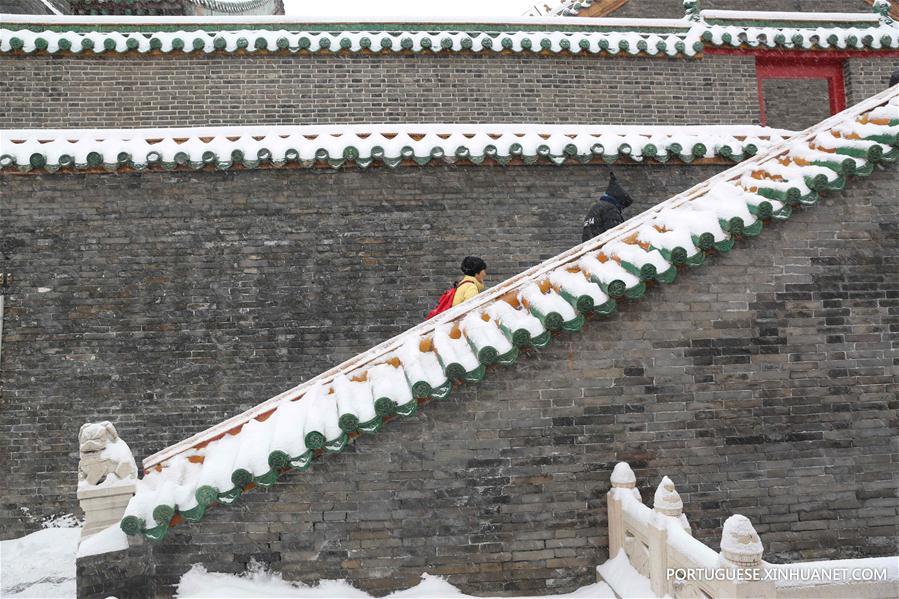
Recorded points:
(321, 89)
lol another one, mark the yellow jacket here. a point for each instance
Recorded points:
(465, 290)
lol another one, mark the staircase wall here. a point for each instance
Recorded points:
(764, 383)
(167, 302)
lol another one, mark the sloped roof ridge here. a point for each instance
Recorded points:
(218, 464)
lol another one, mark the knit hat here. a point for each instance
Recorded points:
(617, 192)
(472, 265)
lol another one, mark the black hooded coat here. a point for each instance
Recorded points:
(606, 213)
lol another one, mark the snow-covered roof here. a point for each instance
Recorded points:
(574, 8)
(600, 8)
(427, 361)
(107, 150)
(29, 34)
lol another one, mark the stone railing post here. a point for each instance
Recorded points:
(107, 476)
(623, 481)
(741, 549)
(666, 503)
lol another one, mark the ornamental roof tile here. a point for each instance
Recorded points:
(164, 36)
(97, 150)
(394, 379)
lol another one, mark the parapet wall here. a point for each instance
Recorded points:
(81, 72)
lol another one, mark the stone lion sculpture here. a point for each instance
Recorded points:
(102, 453)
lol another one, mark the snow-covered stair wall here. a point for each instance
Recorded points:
(659, 544)
(426, 362)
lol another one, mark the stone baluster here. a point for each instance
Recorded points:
(623, 481)
(666, 504)
(741, 549)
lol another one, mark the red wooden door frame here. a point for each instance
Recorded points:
(783, 67)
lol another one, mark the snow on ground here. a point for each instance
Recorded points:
(41, 564)
(626, 581)
(109, 539)
(198, 583)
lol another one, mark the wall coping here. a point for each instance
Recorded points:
(31, 151)
(29, 35)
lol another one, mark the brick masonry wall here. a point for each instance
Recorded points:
(168, 91)
(129, 573)
(866, 77)
(168, 302)
(764, 383)
(795, 103)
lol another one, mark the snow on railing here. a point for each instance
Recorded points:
(659, 545)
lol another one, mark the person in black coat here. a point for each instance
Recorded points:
(606, 213)
(894, 78)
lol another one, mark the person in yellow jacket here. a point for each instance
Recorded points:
(475, 271)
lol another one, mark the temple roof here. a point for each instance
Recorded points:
(427, 362)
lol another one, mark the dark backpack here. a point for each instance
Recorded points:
(446, 301)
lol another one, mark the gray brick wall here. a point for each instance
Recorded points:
(795, 103)
(171, 301)
(866, 77)
(165, 91)
(763, 383)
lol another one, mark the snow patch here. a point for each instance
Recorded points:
(105, 541)
(258, 582)
(41, 564)
(621, 576)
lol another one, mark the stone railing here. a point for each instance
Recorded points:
(659, 545)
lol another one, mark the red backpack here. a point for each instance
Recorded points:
(446, 301)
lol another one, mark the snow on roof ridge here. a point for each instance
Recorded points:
(350, 128)
(27, 34)
(517, 282)
(336, 19)
(762, 15)
(25, 150)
